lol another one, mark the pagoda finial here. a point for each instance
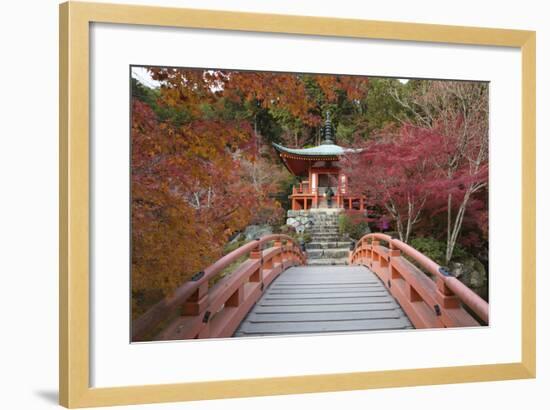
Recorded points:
(328, 139)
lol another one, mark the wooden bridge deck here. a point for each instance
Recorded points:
(320, 299)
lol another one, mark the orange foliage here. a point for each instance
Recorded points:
(188, 197)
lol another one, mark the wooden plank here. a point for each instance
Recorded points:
(358, 307)
(256, 317)
(318, 299)
(330, 296)
(322, 301)
(338, 285)
(327, 281)
(325, 291)
(323, 326)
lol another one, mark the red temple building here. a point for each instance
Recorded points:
(323, 183)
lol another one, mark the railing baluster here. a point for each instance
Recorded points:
(257, 276)
(236, 299)
(278, 258)
(197, 302)
(445, 296)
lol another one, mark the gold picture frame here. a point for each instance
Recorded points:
(75, 19)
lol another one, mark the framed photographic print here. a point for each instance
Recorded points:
(350, 202)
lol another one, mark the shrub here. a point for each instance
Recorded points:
(231, 246)
(286, 230)
(353, 223)
(435, 249)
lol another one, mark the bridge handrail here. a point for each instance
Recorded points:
(465, 294)
(165, 307)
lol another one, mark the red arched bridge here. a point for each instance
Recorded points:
(386, 285)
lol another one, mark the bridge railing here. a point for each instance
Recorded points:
(196, 310)
(428, 303)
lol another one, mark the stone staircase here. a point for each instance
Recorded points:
(326, 246)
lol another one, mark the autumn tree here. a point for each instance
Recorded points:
(457, 112)
(393, 173)
(189, 191)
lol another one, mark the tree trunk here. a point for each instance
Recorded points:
(452, 234)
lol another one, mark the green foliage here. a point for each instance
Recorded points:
(290, 231)
(164, 113)
(144, 93)
(382, 108)
(344, 133)
(435, 249)
(287, 230)
(231, 246)
(353, 224)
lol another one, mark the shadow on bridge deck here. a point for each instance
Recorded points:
(320, 299)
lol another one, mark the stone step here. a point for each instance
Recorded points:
(322, 231)
(325, 237)
(338, 261)
(325, 240)
(327, 253)
(328, 245)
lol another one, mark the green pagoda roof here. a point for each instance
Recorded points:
(324, 150)
(298, 160)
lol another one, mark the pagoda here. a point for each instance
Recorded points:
(322, 184)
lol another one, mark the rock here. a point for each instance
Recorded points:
(299, 220)
(291, 221)
(257, 231)
(471, 272)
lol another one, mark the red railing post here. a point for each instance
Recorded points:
(393, 253)
(197, 302)
(197, 305)
(279, 257)
(445, 296)
(375, 257)
(257, 276)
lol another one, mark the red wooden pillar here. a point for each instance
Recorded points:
(197, 305)
(314, 188)
(197, 302)
(393, 253)
(445, 297)
(258, 274)
(279, 258)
